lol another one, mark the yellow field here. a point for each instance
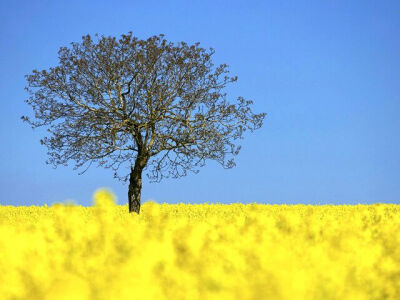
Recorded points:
(199, 251)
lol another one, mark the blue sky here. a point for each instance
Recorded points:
(327, 73)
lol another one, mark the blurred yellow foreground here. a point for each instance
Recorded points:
(204, 251)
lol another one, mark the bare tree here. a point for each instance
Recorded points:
(142, 101)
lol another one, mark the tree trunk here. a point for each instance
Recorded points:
(135, 183)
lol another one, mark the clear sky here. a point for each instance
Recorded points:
(327, 73)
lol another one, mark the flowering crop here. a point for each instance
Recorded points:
(182, 251)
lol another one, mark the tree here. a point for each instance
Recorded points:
(143, 101)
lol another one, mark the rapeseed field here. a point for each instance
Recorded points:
(207, 251)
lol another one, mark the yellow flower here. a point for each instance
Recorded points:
(104, 198)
